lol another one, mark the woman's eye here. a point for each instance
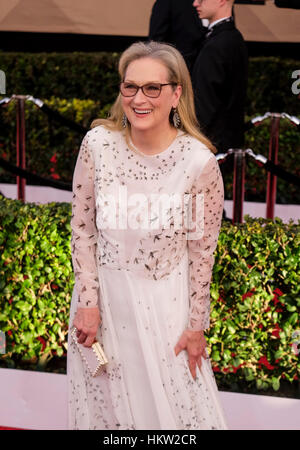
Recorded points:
(129, 86)
(152, 87)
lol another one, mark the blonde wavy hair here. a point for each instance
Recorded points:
(178, 73)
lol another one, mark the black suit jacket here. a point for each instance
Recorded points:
(176, 22)
(220, 81)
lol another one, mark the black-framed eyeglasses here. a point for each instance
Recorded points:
(152, 90)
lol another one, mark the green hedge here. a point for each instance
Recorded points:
(64, 75)
(52, 149)
(256, 303)
(255, 294)
(91, 86)
(288, 157)
(270, 86)
(94, 76)
(36, 280)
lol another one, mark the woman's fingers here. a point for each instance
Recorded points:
(181, 345)
(87, 322)
(204, 355)
(86, 339)
(195, 362)
(195, 345)
(81, 337)
(178, 349)
(89, 341)
(199, 362)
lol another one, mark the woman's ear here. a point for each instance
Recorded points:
(177, 94)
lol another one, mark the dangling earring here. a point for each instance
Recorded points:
(124, 121)
(176, 118)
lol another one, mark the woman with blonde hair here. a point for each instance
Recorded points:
(146, 214)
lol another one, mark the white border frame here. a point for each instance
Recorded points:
(38, 401)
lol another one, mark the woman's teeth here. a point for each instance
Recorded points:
(142, 111)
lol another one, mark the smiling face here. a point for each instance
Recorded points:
(146, 113)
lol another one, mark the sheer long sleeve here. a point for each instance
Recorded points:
(84, 232)
(201, 251)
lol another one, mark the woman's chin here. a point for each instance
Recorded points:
(141, 125)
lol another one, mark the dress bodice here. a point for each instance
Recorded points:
(141, 213)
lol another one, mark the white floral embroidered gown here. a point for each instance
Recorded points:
(150, 285)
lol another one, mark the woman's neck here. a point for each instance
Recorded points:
(151, 142)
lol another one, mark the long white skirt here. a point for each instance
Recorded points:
(145, 386)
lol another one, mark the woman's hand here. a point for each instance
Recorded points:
(195, 344)
(87, 321)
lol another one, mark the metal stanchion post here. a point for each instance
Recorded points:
(238, 185)
(21, 155)
(273, 157)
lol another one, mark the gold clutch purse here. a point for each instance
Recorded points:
(94, 356)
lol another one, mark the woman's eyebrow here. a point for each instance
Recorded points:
(148, 82)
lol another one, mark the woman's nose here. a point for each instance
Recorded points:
(140, 96)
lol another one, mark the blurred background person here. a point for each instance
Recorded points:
(220, 76)
(176, 22)
(219, 79)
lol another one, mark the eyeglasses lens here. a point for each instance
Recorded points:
(150, 90)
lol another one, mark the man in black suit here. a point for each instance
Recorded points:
(176, 22)
(220, 76)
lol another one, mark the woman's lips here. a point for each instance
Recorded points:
(139, 112)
